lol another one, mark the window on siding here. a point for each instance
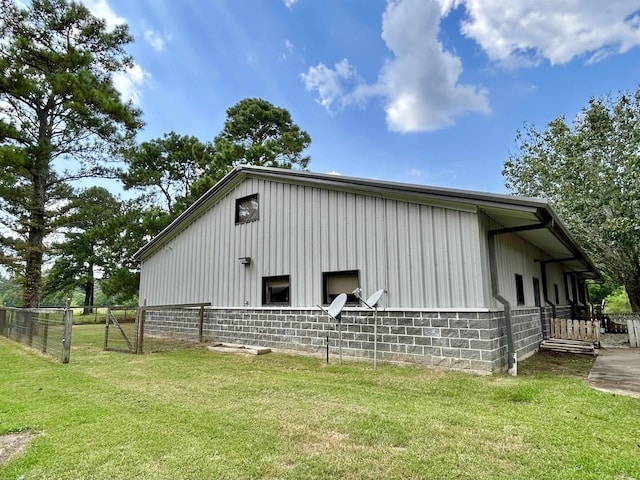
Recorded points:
(247, 209)
(519, 289)
(275, 290)
(555, 289)
(335, 283)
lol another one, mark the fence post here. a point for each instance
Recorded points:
(3, 323)
(32, 319)
(633, 329)
(66, 340)
(106, 328)
(140, 334)
(45, 333)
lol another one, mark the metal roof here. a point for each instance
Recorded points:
(507, 210)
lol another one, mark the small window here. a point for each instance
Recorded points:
(247, 209)
(275, 290)
(335, 283)
(536, 292)
(555, 288)
(519, 289)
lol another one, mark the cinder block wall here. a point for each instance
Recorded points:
(527, 331)
(471, 341)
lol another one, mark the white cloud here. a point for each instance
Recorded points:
(330, 83)
(128, 83)
(289, 47)
(102, 9)
(420, 84)
(290, 3)
(155, 40)
(525, 32)
(333, 172)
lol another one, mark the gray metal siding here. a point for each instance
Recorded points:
(425, 256)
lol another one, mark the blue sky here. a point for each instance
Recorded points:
(417, 91)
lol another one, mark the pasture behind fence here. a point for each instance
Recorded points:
(45, 329)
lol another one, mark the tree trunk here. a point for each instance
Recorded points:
(35, 243)
(33, 268)
(633, 292)
(88, 293)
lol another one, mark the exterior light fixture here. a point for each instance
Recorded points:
(245, 261)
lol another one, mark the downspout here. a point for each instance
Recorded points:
(512, 365)
(512, 358)
(545, 295)
(545, 283)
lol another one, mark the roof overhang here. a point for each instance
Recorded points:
(551, 236)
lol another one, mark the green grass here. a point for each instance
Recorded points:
(190, 413)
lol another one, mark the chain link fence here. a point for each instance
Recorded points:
(45, 329)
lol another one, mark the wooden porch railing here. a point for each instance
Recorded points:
(585, 330)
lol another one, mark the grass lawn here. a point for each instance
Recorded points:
(191, 413)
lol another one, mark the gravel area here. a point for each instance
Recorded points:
(614, 340)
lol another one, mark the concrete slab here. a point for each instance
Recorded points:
(617, 370)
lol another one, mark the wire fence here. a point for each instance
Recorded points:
(45, 329)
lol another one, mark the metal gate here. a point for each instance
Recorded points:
(121, 331)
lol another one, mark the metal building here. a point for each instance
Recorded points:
(273, 240)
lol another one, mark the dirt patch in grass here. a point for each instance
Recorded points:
(13, 444)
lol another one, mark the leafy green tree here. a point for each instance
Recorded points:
(10, 291)
(165, 169)
(58, 104)
(139, 223)
(256, 133)
(93, 224)
(617, 302)
(598, 292)
(590, 171)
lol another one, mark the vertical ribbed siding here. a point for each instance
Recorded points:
(423, 255)
(516, 256)
(555, 275)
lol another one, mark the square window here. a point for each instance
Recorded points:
(335, 283)
(247, 209)
(275, 290)
(519, 289)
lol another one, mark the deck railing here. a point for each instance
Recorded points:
(585, 330)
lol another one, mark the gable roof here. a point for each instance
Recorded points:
(509, 211)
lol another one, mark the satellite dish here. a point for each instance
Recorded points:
(373, 300)
(337, 305)
(335, 309)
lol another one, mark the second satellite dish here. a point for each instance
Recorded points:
(373, 300)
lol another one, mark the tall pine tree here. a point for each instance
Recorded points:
(58, 105)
